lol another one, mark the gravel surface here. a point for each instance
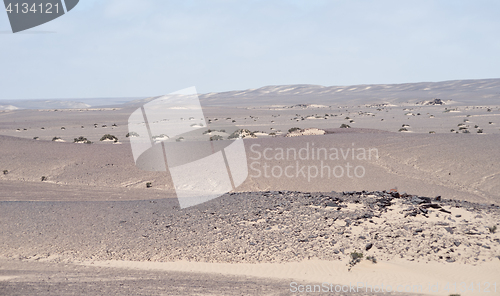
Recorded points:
(253, 227)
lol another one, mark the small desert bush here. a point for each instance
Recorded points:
(35, 138)
(179, 139)
(44, 178)
(432, 132)
(343, 125)
(372, 259)
(132, 134)
(356, 255)
(492, 229)
(56, 138)
(216, 138)
(476, 126)
(5, 172)
(479, 131)
(82, 139)
(355, 259)
(403, 129)
(294, 129)
(149, 185)
(239, 134)
(109, 137)
(466, 131)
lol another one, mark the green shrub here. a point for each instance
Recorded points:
(355, 255)
(372, 259)
(355, 259)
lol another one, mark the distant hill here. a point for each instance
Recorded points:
(467, 92)
(43, 104)
(473, 92)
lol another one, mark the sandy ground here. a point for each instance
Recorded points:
(92, 227)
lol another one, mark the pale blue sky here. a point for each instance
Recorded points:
(134, 48)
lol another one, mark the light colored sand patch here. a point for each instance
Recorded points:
(306, 132)
(7, 277)
(420, 277)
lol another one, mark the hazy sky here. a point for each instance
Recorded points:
(133, 48)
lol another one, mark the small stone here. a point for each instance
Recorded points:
(418, 231)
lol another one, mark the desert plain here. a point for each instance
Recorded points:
(370, 189)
